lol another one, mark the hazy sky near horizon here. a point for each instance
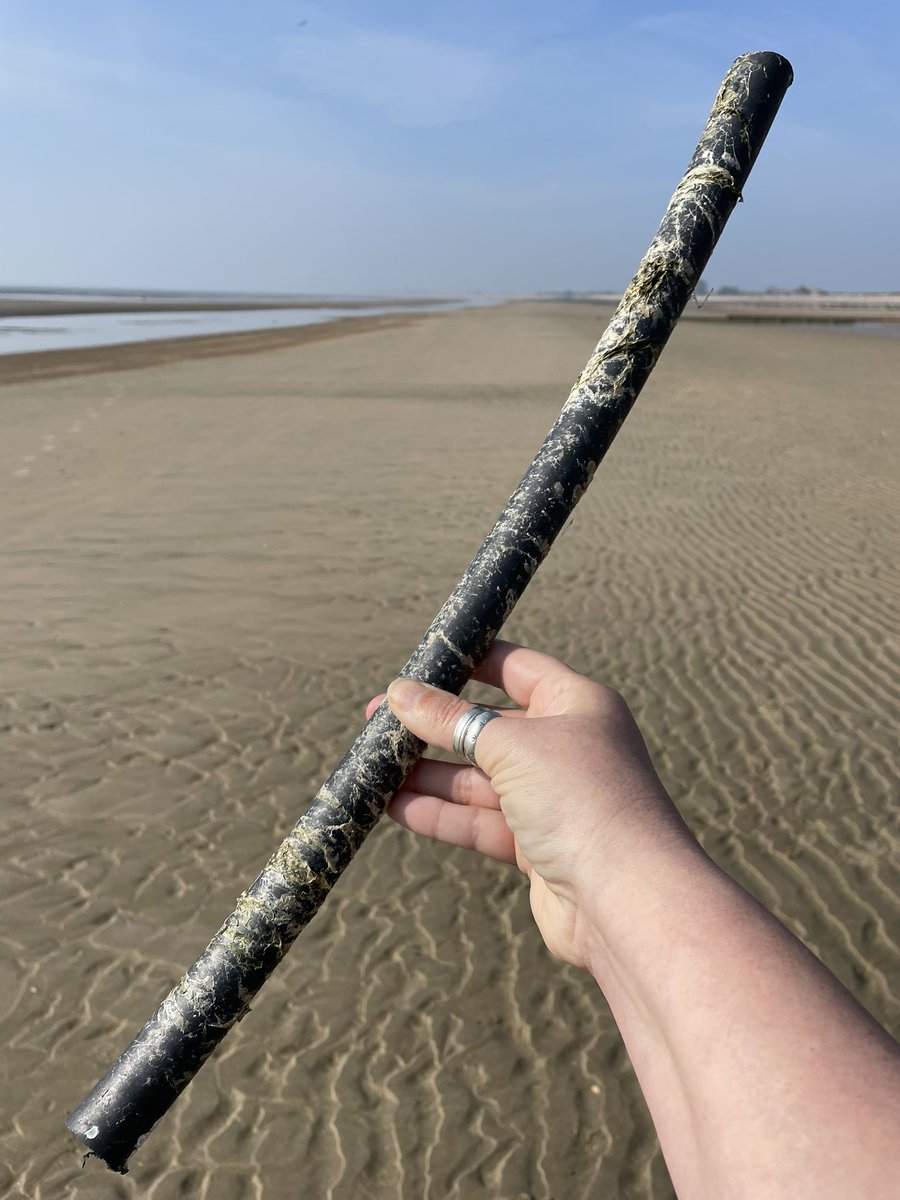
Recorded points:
(365, 147)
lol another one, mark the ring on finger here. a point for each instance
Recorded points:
(467, 730)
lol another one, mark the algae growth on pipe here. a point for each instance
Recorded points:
(215, 993)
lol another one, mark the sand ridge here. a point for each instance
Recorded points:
(208, 569)
(129, 356)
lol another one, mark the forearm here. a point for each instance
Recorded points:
(764, 1077)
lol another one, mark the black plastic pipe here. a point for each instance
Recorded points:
(217, 990)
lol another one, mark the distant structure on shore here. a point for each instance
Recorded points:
(804, 304)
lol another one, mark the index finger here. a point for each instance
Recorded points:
(517, 671)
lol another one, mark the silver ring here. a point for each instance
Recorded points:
(467, 729)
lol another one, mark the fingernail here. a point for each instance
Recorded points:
(403, 693)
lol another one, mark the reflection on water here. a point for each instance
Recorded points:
(23, 334)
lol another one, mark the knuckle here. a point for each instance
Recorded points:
(467, 782)
(614, 700)
(444, 710)
(609, 702)
(606, 705)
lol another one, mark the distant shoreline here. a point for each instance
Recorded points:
(30, 366)
(16, 306)
(826, 309)
(127, 356)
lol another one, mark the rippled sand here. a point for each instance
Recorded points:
(209, 567)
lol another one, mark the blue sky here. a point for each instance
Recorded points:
(398, 146)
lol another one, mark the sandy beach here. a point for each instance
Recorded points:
(211, 563)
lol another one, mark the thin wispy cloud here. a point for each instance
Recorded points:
(687, 22)
(411, 80)
(39, 74)
(225, 145)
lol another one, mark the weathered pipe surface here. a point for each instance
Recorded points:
(216, 992)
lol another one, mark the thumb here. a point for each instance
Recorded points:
(426, 711)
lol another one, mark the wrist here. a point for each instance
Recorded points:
(625, 908)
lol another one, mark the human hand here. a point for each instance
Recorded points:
(720, 1008)
(565, 790)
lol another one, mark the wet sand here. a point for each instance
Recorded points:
(28, 367)
(209, 565)
(23, 305)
